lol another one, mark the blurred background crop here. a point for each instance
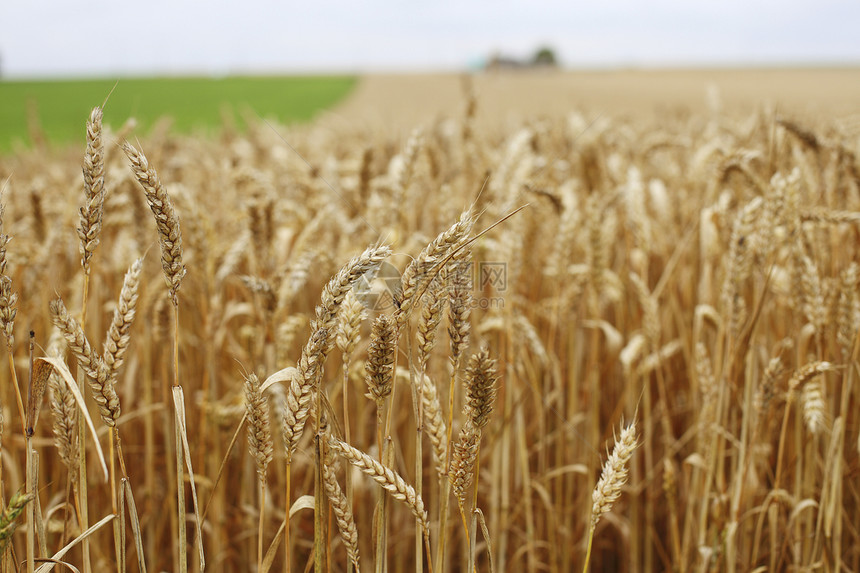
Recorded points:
(197, 62)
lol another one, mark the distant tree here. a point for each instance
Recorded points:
(545, 56)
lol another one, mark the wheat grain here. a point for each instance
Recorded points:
(94, 189)
(766, 390)
(341, 509)
(8, 298)
(380, 359)
(299, 396)
(812, 293)
(97, 371)
(481, 388)
(462, 470)
(65, 426)
(614, 474)
(431, 316)
(166, 220)
(349, 326)
(434, 425)
(848, 309)
(264, 289)
(460, 309)
(259, 432)
(740, 258)
(324, 328)
(814, 407)
(387, 478)
(807, 373)
(118, 336)
(650, 310)
(428, 264)
(13, 510)
(335, 291)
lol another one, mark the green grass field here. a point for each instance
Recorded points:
(194, 103)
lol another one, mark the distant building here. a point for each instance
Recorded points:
(499, 62)
(543, 58)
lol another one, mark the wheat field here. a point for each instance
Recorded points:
(574, 341)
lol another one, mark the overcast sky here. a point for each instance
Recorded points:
(43, 38)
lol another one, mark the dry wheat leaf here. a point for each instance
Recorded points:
(66, 376)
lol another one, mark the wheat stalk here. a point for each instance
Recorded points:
(614, 474)
(324, 328)
(349, 334)
(305, 382)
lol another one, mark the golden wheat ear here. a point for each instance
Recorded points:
(166, 219)
(385, 477)
(259, 431)
(94, 189)
(97, 371)
(612, 479)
